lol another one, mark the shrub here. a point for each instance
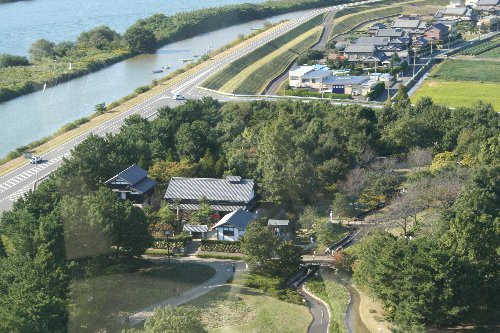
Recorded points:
(376, 91)
(219, 256)
(9, 60)
(220, 246)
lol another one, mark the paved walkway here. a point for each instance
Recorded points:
(321, 316)
(223, 273)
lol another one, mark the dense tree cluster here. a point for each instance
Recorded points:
(297, 153)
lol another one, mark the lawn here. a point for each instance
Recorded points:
(493, 53)
(241, 309)
(337, 298)
(467, 70)
(98, 303)
(459, 93)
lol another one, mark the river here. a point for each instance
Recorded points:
(31, 117)
(23, 22)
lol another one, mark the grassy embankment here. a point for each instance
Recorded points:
(336, 296)
(456, 83)
(255, 78)
(47, 144)
(489, 49)
(99, 303)
(234, 308)
(229, 72)
(53, 69)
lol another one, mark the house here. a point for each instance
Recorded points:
(232, 226)
(411, 25)
(386, 78)
(456, 3)
(372, 30)
(488, 7)
(366, 55)
(437, 32)
(280, 228)
(488, 21)
(390, 33)
(455, 13)
(308, 76)
(351, 85)
(132, 183)
(223, 195)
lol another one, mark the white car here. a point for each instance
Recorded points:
(35, 159)
(179, 97)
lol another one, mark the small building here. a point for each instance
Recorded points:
(455, 13)
(411, 25)
(488, 7)
(232, 226)
(308, 76)
(280, 228)
(224, 195)
(351, 85)
(390, 33)
(386, 78)
(437, 32)
(196, 230)
(488, 21)
(372, 30)
(132, 183)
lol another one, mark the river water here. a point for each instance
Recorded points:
(23, 22)
(39, 114)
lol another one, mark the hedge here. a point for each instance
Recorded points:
(220, 246)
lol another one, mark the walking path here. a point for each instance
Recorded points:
(223, 271)
(319, 311)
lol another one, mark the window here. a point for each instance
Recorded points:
(228, 231)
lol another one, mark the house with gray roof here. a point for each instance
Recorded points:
(390, 32)
(233, 225)
(223, 195)
(132, 183)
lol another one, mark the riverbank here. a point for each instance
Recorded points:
(68, 60)
(114, 109)
(372, 313)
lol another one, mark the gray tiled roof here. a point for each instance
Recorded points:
(488, 2)
(368, 41)
(354, 48)
(195, 228)
(216, 207)
(406, 23)
(211, 188)
(239, 218)
(136, 177)
(133, 174)
(316, 74)
(347, 80)
(389, 33)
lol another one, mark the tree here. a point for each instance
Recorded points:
(3, 253)
(419, 157)
(164, 170)
(401, 101)
(289, 259)
(41, 49)
(258, 246)
(341, 207)
(171, 319)
(8, 60)
(307, 218)
(140, 39)
(203, 214)
(99, 37)
(353, 186)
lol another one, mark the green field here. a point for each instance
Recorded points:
(493, 53)
(240, 309)
(459, 93)
(467, 70)
(482, 48)
(98, 303)
(230, 71)
(254, 79)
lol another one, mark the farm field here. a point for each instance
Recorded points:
(459, 93)
(98, 303)
(255, 78)
(482, 49)
(467, 70)
(493, 53)
(229, 72)
(240, 309)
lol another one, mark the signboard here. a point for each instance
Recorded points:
(28, 155)
(167, 232)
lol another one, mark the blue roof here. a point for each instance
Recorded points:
(317, 73)
(346, 80)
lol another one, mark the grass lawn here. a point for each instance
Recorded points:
(98, 303)
(467, 70)
(459, 93)
(493, 53)
(240, 309)
(336, 296)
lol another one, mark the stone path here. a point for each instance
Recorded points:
(223, 273)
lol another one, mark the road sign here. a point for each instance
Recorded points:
(28, 155)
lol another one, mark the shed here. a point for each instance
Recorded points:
(132, 182)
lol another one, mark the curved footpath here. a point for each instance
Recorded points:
(222, 274)
(319, 311)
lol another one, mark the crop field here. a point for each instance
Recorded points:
(493, 53)
(467, 70)
(459, 93)
(255, 78)
(482, 48)
(233, 69)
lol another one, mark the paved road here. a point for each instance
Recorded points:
(19, 181)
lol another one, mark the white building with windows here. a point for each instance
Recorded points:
(233, 225)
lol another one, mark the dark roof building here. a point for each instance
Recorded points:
(224, 195)
(232, 226)
(132, 181)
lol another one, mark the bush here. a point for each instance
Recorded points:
(376, 91)
(9, 60)
(219, 256)
(220, 246)
(308, 93)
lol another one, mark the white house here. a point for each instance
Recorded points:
(308, 76)
(233, 225)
